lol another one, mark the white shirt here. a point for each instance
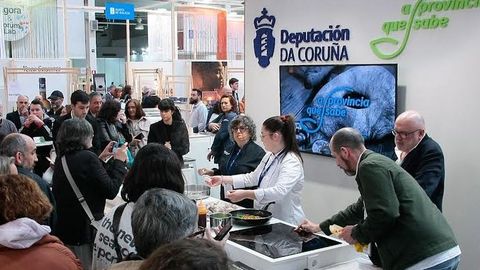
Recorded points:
(104, 254)
(198, 117)
(282, 183)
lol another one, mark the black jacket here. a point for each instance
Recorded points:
(112, 132)
(15, 118)
(178, 137)
(96, 185)
(95, 142)
(426, 164)
(222, 137)
(246, 161)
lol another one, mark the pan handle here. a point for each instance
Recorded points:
(267, 205)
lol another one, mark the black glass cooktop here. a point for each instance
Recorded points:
(279, 240)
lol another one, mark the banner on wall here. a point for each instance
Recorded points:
(16, 22)
(326, 98)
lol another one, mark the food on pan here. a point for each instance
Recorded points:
(248, 217)
(337, 230)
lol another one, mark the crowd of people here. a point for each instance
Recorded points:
(97, 150)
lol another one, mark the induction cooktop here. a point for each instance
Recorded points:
(279, 240)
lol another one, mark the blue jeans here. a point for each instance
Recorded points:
(447, 265)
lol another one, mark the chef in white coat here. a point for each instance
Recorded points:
(279, 176)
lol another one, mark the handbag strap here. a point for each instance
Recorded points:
(116, 229)
(79, 195)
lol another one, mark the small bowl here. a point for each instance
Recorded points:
(219, 219)
(197, 192)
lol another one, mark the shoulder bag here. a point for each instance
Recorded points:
(79, 195)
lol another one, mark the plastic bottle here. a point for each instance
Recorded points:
(202, 215)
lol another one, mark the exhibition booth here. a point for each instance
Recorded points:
(303, 58)
(433, 46)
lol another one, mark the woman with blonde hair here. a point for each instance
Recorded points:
(24, 243)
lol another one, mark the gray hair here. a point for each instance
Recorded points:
(73, 135)
(246, 121)
(161, 216)
(12, 144)
(5, 163)
(94, 94)
(346, 137)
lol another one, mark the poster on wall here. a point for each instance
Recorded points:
(325, 98)
(210, 78)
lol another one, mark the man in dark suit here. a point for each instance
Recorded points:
(19, 116)
(420, 155)
(80, 103)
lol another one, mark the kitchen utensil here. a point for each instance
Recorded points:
(197, 192)
(251, 217)
(219, 220)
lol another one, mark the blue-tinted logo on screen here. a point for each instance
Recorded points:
(264, 42)
(119, 11)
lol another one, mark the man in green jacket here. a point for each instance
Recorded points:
(393, 212)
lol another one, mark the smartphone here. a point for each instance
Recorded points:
(139, 136)
(115, 147)
(221, 234)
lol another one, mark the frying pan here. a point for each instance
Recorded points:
(264, 215)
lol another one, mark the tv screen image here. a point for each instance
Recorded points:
(326, 98)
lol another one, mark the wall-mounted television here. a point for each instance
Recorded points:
(325, 98)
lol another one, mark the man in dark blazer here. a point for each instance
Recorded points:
(420, 155)
(80, 103)
(19, 116)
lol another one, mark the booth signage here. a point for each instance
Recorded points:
(296, 44)
(119, 11)
(421, 16)
(16, 23)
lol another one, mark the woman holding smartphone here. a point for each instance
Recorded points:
(138, 125)
(279, 176)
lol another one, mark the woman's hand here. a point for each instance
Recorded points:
(221, 243)
(205, 171)
(107, 152)
(210, 155)
(214, 181)
(121, 153)
(135, 142)
(238, 195)
(121, 117)
(213, 127)
(168, 145)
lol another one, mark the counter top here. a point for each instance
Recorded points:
(341, 258)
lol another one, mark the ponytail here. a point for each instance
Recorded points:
(286, 126)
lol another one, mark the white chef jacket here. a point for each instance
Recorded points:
(282, 183)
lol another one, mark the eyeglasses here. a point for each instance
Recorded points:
(403, 134)
(241, 129)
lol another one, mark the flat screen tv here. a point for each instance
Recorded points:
(325, 98)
